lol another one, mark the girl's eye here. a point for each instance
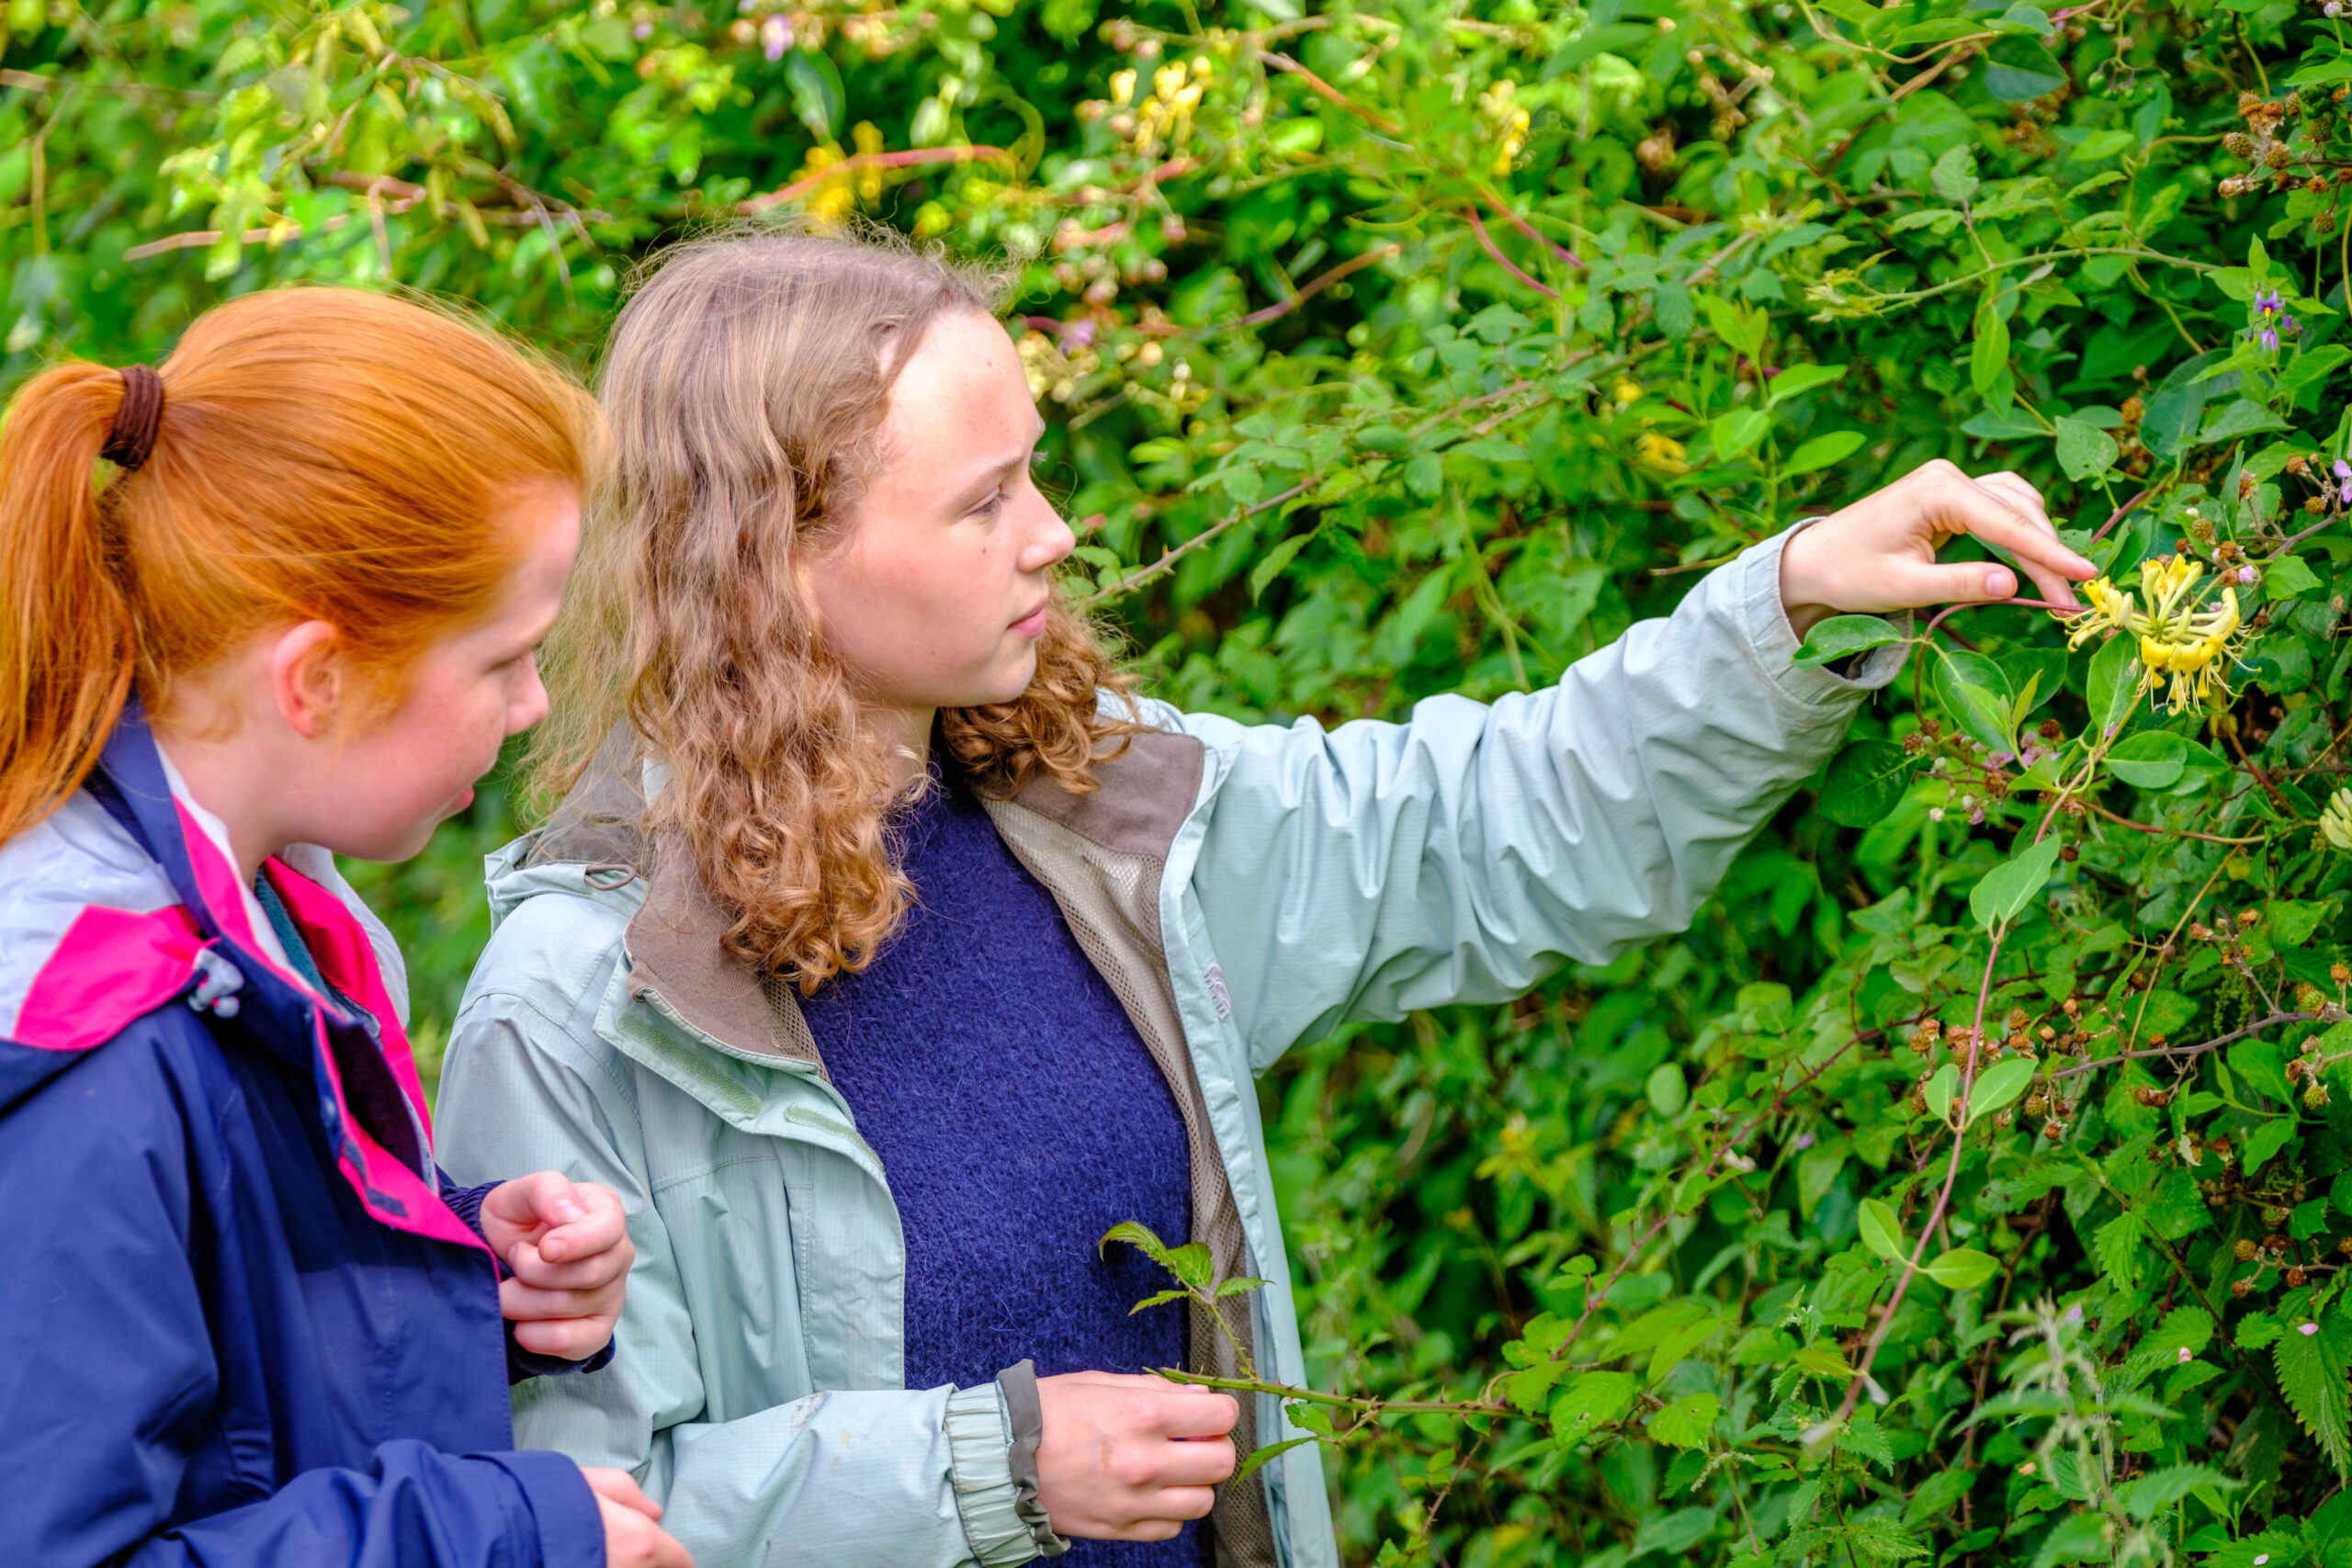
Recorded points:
(991, 506)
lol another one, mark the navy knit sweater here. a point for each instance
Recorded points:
(1019, 1116)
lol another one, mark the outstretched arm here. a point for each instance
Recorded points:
(1460, 856)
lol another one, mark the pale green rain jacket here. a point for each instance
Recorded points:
(1243, 889)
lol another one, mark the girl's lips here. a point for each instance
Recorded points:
(1032, 624)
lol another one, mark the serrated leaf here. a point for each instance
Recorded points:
(1954, 174)
(1937, 1495)
(2266, 1141)
(1685, 1423)
(2117, 1245)
(1162, 1299)
(1258, 1458)
(2312, 1371)
(1592, 1401)
(1137, 1234)
(1881, 1230)
(1237, 1287)
(2085, 451)
(2159, 1489)
(1996, 1085)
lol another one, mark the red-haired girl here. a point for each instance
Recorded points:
(244, 1320)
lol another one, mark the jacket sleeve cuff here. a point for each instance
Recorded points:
(979, 1448)
(571, 1525)
(1757, 586)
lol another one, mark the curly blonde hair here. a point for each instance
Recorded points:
(746, 384)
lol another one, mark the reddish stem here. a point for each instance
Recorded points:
(1503, 261)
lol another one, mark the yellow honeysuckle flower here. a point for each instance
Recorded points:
(2186, 647)
(2335, 822)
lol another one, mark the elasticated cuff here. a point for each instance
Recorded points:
(1025, 1412)
(571, 1527)
(980, 1452)
(1775, 641)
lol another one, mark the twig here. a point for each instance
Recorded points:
(2274, 1020)
(1325, 90)
(1169, 556)
(1502, 260)
(2167, 832)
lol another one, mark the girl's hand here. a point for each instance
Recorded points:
(1880, 553)
(568, 1245)
(1130, 1458)
(633, 1537)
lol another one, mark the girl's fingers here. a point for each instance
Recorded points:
(1183, 1502)
(1998, 520)
(520, 1302)
(600, 1226)
(1910, 585)
(590, 1273)
(570, 1340)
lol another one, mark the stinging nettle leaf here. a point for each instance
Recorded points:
(2312, 1372)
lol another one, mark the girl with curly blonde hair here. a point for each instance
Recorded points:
(887, 950)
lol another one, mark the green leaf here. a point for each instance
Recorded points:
(1864, 782)
(817, 96)
(1668, 1092)
(1988, 357)
(1822, 451)
(1954, 176)
(1962, 1268)
(1997, 1087)
(1258, 1458)
(2288, 577)
(2006, 892)
(1798, 379)
(1741, 326)
(2244, 417)
(2152, 1494)
(2117, 1246)
(1941, 1089)
(1137, 1234)
(1274, 562)
(1675, 1533)
(1976, 693)
(1937, 1495)
(1592, 1401)
(1881, 1230)
(2312, 1371)
(1685, 1423)
(1841, 635)
(2151, 759)
(2085, 451)
(1737, 430)
(2114, 682)
(2266, 1141)
(2017, 70)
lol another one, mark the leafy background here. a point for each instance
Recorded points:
(1396, 349)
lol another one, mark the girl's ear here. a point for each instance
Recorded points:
(306, 678)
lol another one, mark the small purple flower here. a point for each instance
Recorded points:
(1804, 1141)
(2307, 1329)
(2344, 481)
(2270, 320)
(2186, 1354)
(2247, 576)
(775, 36)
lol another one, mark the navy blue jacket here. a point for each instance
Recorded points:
(242, 1323)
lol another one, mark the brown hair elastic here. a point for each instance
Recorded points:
(132, 439)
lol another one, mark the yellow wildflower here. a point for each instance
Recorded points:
(2186, 645)
(1659, 454)
(869, 142)
(2335, 822)
(1627, 393)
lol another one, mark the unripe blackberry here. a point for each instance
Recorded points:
(2248, 916)
(2345, 1247)
(2294, 1276)
(2072, 1008)
(2239, 145)
(2339, 974)
(2274, 1216)
(2004, 1119)
(2315, 1097)
(2036, 1103)
(2246, 1249)
(2054, 1130)
(2240, 1287)
(2048, 1032)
